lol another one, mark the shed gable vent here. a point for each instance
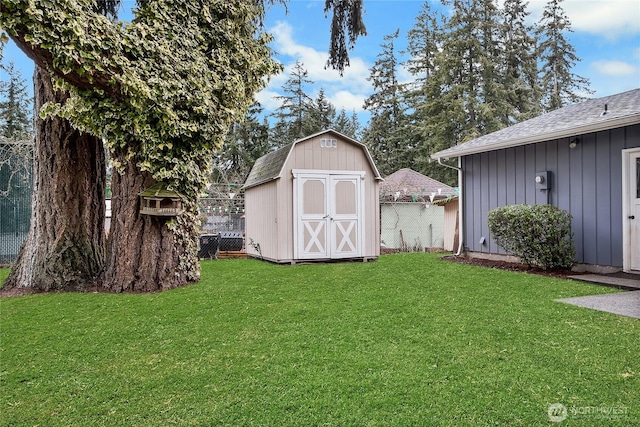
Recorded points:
(328, 143)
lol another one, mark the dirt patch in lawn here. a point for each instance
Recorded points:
(15, 292)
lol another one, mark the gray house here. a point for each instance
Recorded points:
(583, 158)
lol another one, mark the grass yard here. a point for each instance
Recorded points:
(405, 341)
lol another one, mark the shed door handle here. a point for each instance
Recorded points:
(632, 217)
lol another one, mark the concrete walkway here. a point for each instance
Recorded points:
(622, 303)
(613, 280)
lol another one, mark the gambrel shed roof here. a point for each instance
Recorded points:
(269, 166)
(593, 115)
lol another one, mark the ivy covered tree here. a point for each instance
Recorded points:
(65, 246)
(111, 93)
(557, 57)
(162, 92)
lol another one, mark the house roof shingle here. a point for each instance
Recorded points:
(407, 184)
(593, 115)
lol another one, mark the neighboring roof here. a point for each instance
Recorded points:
(446, 200)
(593, 115)
(269, 166)
(409, 185)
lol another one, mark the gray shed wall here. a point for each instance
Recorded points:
(586, 182)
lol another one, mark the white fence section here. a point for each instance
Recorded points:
(411, 226)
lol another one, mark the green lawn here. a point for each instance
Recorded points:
(409, 340)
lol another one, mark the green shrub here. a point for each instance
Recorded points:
(537, 234)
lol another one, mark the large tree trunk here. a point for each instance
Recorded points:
(146, 253)
(64, 249)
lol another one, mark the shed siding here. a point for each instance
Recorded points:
(345, 157)
(269, 206)
(261, 225)
(450, 221)
(586, 182)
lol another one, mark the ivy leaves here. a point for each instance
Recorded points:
(162, 89)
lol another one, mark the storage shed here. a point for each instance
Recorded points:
(314, 199)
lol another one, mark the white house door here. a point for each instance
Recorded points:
(632, 244)
(328, 209)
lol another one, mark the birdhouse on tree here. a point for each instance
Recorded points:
(158, 200)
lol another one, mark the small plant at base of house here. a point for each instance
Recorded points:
(537, 234)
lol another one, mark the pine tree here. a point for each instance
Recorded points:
(429, 127)
(349, 126)
(15, 106)
(295, 102)
(383, 135)
(557, 57)
(319, 115)
(520, 64)
(245, 142)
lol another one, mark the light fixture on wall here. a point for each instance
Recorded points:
(573, 142)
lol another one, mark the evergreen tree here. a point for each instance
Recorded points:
(520, 63)
(319, 115)
(557, 56)
(245, 142)
(15, 106)
(383, 135)
(349, 126)
(295, 102)
(429, 127)
(346, 26)
(16, 136)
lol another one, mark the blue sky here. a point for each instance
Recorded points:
(606, 36)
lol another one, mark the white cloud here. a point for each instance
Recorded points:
(608, 18)
(615, 68)
(267, 98)
(346, 91)
(348, 100)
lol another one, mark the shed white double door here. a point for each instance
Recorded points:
(328, 214)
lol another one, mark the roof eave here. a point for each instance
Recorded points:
(558, 134)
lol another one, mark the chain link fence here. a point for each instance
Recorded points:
(16, 179)
(15, 217)
(411, 226)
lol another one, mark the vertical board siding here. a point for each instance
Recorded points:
(450, 220)
(585, 181)
(269, 206)
(261, 222)
(603, 198)
(589, 201)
